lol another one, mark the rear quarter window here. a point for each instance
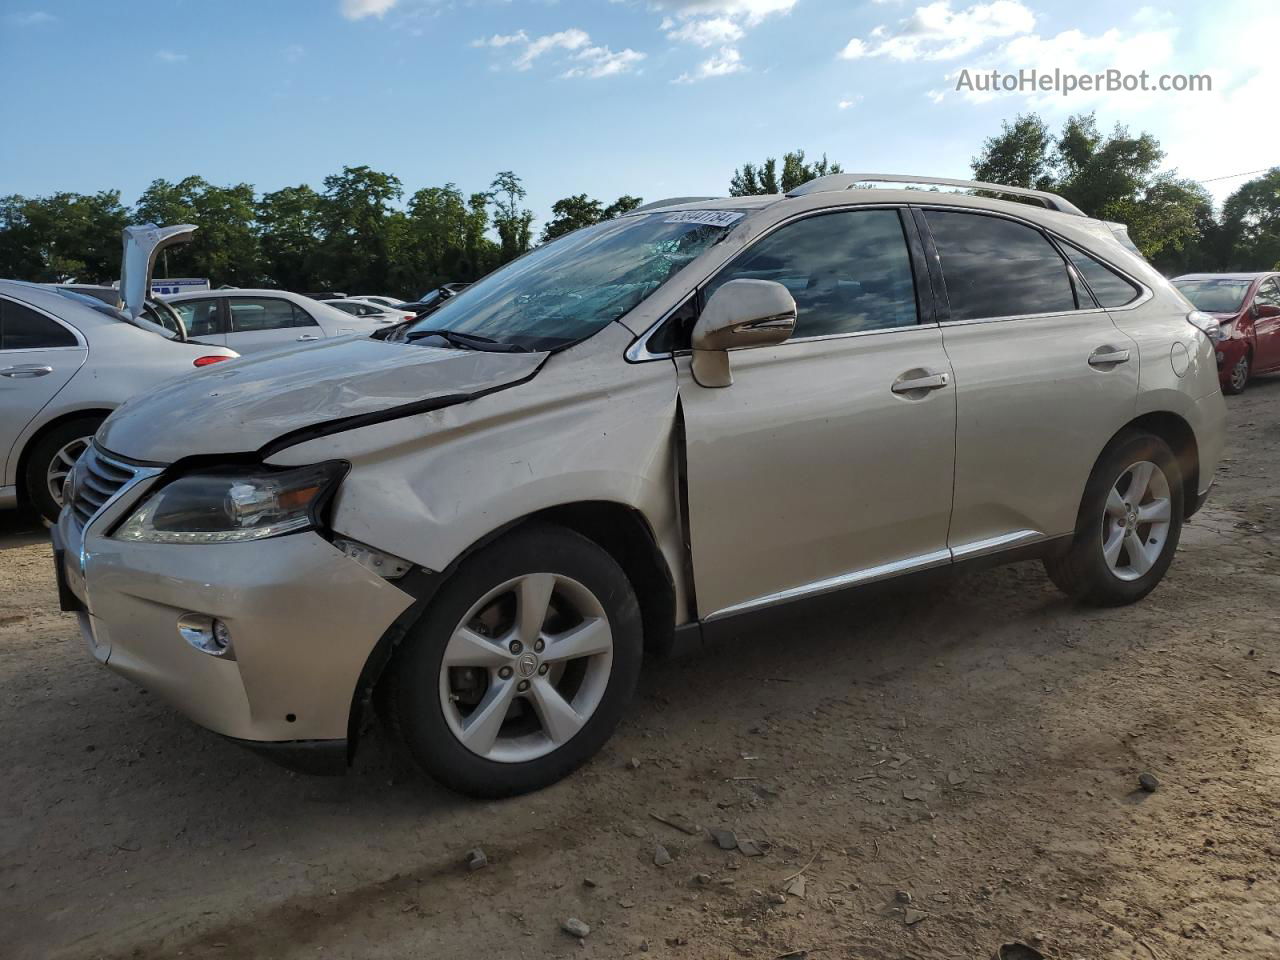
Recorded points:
(22, 328)
(1109, 288)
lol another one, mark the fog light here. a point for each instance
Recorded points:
(206, 634)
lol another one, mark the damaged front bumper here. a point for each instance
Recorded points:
(301, 616)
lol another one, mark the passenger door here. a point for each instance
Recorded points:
(817, 469)
(1266, 325)
(38, 357)
(1043, 380)
(263, 323)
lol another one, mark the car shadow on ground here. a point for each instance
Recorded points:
(21, 528)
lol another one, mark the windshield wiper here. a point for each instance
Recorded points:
(468, 341)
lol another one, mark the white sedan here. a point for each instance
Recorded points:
(380, 301)
(249, 321)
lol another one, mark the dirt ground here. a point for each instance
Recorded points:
(972, 743)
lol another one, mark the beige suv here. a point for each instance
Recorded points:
(615, 444)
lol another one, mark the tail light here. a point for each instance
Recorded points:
(1206, 325)
(205, 361)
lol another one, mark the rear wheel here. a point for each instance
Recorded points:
(52, 457)
(1129, 524)
(521, 667)
(1238, 379)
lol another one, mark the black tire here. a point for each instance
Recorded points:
(1239, 376)
(1082, 572)
(414, 700)
(41, 455)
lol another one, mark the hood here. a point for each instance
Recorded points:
(251, 403)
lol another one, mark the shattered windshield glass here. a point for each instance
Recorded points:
(569, 289)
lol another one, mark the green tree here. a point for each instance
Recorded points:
(1251, 224)
(289, 236)
(581, 211)
(511, 219)
(62, 237)
(225, 247)
(750, 180)
(356, 244)
(1020, 156)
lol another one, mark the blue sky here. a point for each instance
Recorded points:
(649, 97)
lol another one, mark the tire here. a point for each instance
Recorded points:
(1085, 572)
(1238, 379)
(475, 617)
(66, 439)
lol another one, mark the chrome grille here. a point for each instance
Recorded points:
(96, 480)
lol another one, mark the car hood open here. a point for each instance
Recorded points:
(266, 402)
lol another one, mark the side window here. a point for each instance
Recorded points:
(1268, 294)
(998, 268)
(21, 328)
(1110, 289)
(266, 313)
(200, 317)
(849, 271)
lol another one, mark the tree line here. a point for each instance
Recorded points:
(357, 233)
(351, 235)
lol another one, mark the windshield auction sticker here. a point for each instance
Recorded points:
(712, 218)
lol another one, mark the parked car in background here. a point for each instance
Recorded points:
(164, 318)
(369, 310)
(1247, 308)
(380, 301)
(249, 321)
(67, 360)
(432, 299)
(633, 435)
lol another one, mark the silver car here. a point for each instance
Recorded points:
(249, 321)
(627, 440)
(67, 359)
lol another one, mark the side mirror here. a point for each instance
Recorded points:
(742, 313)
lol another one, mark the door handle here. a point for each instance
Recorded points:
(26, 371)
(1106, 357)
(934, 381)
(307, 336)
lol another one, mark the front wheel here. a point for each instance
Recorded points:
(1238, 379)
(1128, 527)
(521, 667)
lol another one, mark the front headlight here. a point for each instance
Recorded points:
(234, 504)
(1206, 325)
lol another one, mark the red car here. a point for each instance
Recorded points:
(1247, 307)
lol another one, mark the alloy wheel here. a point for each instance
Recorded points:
(1135, 522)
(526, 667)
(1240, 373)
(61, 465)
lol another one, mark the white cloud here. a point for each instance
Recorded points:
(936, 32)
(359, 9)
(849, 102)
(29, 19)
(716, 31)
(603, 62)
(751, 11)
(727, 61)
(586, 60)
(168, 56)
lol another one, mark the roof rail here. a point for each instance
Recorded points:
(848, 181)
(671, 201)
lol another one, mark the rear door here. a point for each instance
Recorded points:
(39, 354)
(821, 466)
(264, 323)
(1043, 378)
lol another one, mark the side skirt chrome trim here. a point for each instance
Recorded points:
(937, 558)
(925, 561)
